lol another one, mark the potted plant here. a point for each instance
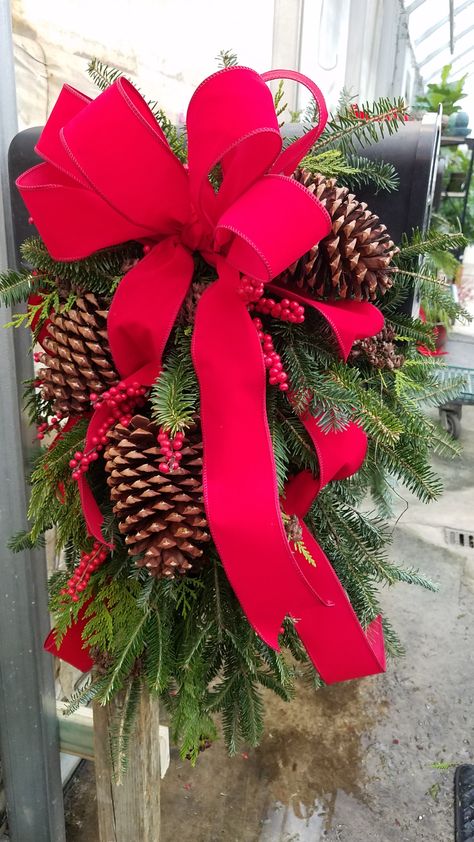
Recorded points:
(457, 165)
(445, 93)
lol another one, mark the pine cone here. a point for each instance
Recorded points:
(380, 350)
(78, 360)
(351, 262)
(161, 515)
(293, 528)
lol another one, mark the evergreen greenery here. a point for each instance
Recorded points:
(347, 130)
(187, 640)
(352, 170)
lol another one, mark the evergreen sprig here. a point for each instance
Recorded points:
(226, 58)
(99, 273)
(17, 286)
(175, 395)
(102, 74)
(353, 170)
(347, 131)
(54, 499)
(432, 241)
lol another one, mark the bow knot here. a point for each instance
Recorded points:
(196, 235)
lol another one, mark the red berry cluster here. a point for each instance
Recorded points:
(46, 426)
(272, 360)
(285, 310)
(121, 400)
(87, 566)
(250, 289)
(81, 460)
(170, 450)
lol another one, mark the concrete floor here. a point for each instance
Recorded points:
(354, 762)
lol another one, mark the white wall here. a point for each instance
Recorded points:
(167, 46)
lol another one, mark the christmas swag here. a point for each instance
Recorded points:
(223, 391)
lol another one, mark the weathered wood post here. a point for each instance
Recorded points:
(131, 809)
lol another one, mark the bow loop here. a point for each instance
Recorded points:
(292, 155)
(155, 193)
(272, 223)
(231, 122)
(69, 103)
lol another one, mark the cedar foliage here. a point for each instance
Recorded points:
(187, 639)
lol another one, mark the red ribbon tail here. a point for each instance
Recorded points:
(72, 648)
(337, 644)
(240, 481)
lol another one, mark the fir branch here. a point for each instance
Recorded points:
(369, 410)
(175, 394)
(410, 329)
(352, 170)
(412, 576)
(16, 287)
(298, 443)
(90, 692)
(36, 408)
(346, 131)
(442, 442)
(432, 241)
(39, 312)
(409, 467)
(23, 541)
(129, 652)
(98, 273)
(226, 58)
(157, 655)
(122, 724)
(381, 174)
(427, 381)
(393, 645)
(176, 137)
(102, 74)
(279, 99)
(280, 450)
(51, 468)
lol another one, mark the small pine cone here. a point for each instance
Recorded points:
(293, 528)
(78, 360)
(161, 515)
(379, 351)
(352, 261)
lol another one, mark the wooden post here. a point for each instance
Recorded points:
(130, 810)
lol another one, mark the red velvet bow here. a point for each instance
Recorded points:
(110, 176)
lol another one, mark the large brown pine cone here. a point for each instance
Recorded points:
(78, 360)
(352, 261)
(161, 515)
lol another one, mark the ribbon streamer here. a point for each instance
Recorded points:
(110, 176)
